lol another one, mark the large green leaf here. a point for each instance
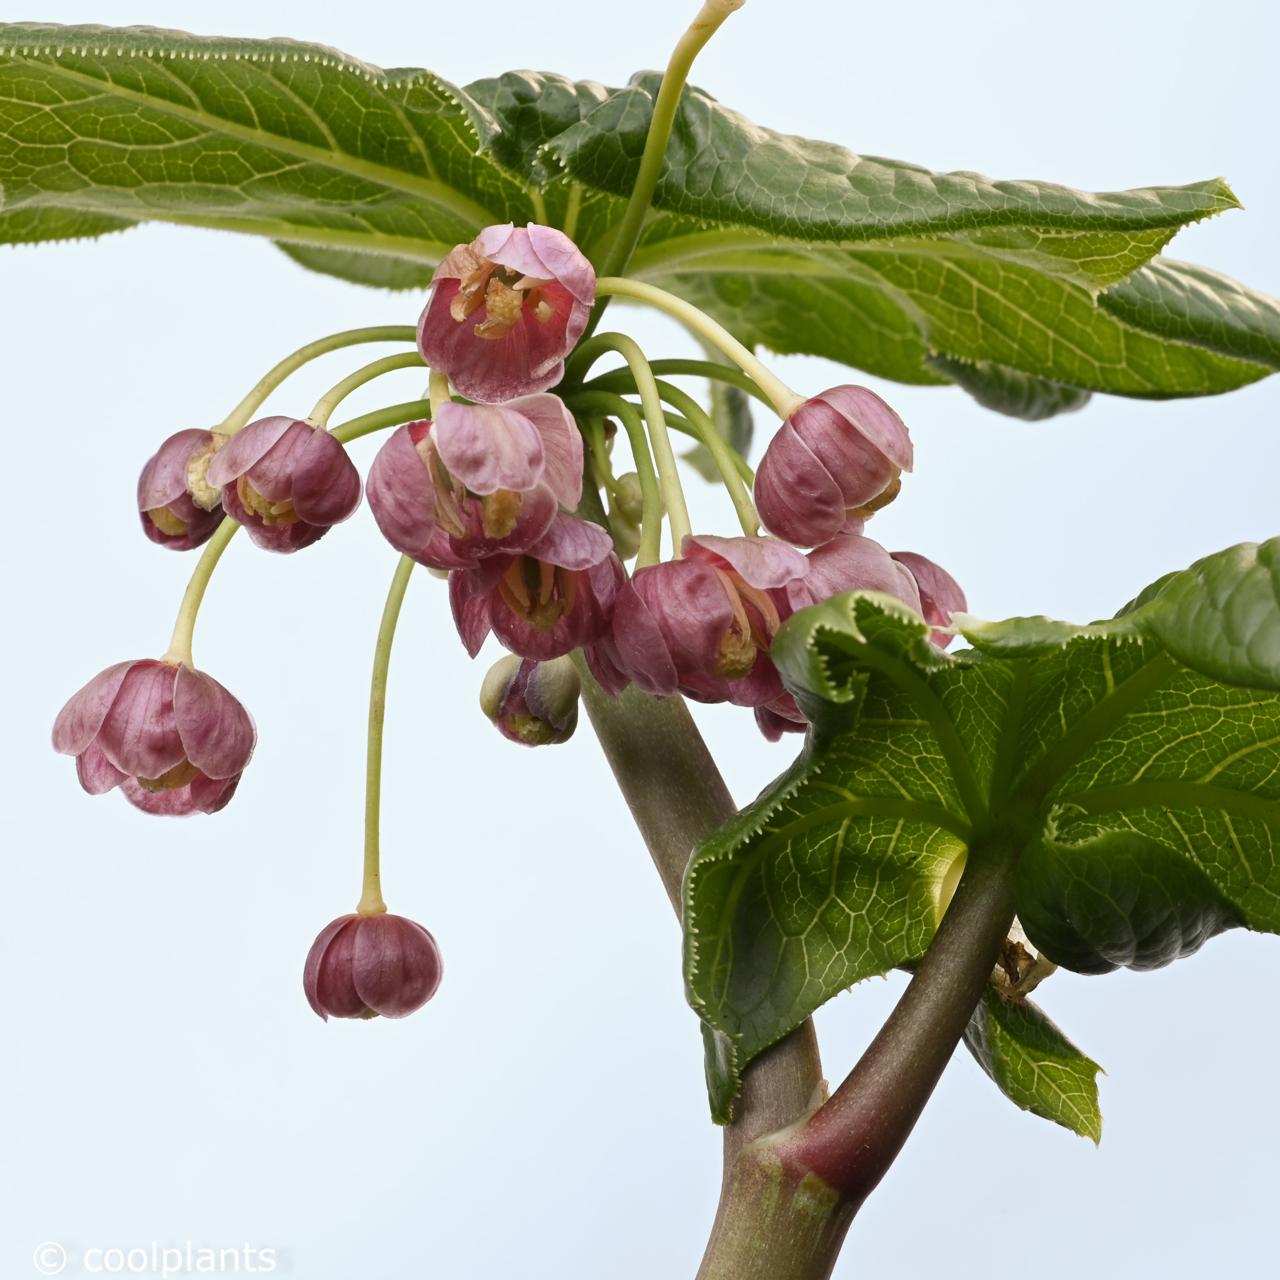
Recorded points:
(274, 137)
(1135, 763)
(1027, 294)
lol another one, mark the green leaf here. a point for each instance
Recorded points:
(1026, 294)
(1134, 762)
(1010, 391)
(1034, 1065)
(274, 137)
(724, 170)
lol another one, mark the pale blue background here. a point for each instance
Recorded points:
(163, 1078)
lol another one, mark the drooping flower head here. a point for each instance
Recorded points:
(178, 506)
(940, 594)
(545, 602)
(701, 625)
(532, 703)
(170, 737)
(479, 481)
(286, 481)
(839, 455)
(365, 966)
(505, 311)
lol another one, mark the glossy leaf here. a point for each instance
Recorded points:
(1135, 763)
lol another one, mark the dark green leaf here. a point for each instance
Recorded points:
(1010, 391)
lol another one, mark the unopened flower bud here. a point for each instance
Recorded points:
(628, 500)
(840, 454)
(363, 966)
(533, 703)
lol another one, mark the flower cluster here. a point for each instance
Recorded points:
(488, 490)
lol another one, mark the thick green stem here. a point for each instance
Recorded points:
(269, 381)
(791, 1196)
(371, 903)
(677, 798)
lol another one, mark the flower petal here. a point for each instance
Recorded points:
(315, 958)
(395, 964)
(217, 732)
(797, 497)
(140, 735)
(873, 419)
(762, 562)
(563, 261)
(245, 448)
(79, 721)
(470, 609)
(489, 447)
(326, 484)
(164, 477)
(561, 445)
(940, 594)
(96, 773)
(571, 543)
(335, 986)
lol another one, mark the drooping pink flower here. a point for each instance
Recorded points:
(532, 703)
(553, 598)
(703, 625)
(481, 481)
(178, 507)
(363, 966)
(286, 481)
(839, 455)
(505, 311)
(170, 737)
(940, 593)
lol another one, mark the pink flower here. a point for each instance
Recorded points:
(704, 625)
(480, 481)
(178, 506)
(532, 703)
(362, 966)
(839, 455)
(505, 311)
(170, 737)
(940, 593)
(548, 601)
(286, 481)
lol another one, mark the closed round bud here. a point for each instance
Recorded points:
(628, 500)
(533, 703)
